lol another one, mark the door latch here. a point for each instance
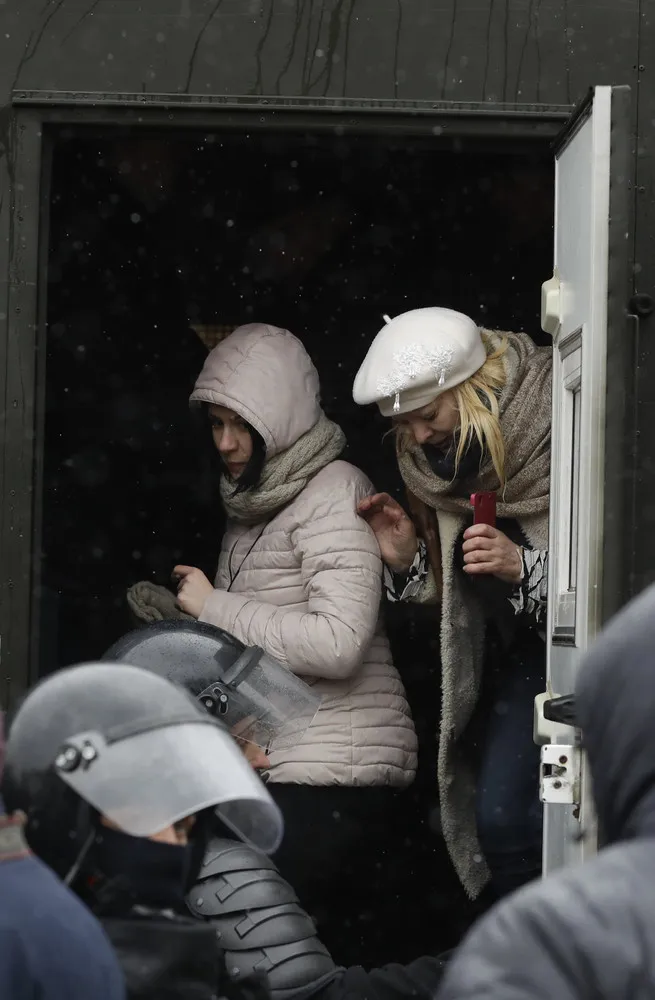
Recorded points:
(561, 763)
(559, 779)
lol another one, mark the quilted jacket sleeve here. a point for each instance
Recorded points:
(487, 968)
(559, 938)
(342, 578)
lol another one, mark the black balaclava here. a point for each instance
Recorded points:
(615, 707)
(149, 872)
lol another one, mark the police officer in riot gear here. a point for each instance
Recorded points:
(259, 920)
(50, 945)
(103, 761)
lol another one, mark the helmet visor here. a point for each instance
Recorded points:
(262, 702)
(145, 781)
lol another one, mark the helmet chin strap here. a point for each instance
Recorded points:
(74, 870)
(85, 835)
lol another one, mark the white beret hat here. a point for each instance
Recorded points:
(417, 356)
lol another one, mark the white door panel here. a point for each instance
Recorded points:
(577, 317)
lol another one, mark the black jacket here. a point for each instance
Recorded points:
(418, 980)
(588, 932)
(163, 953)
(175, 958)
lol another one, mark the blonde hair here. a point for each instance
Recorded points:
(476, 400)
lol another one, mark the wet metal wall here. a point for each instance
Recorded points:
(502, 55)
(529, 51)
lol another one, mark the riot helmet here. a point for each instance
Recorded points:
(119, 742)
(253, 694)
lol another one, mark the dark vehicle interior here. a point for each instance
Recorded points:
(161, 243)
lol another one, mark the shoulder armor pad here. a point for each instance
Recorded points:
(233, 856)
(259, 922)
(234, 892)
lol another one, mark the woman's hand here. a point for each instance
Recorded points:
(487, 551)
(393, 530)
(193, 589)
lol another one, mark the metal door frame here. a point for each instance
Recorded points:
(37, 117)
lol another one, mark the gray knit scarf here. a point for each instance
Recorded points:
(285, 475)
(525, 417)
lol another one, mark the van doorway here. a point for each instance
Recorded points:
(159, 244)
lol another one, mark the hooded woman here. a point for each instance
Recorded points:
(300, 576)
(472, 411)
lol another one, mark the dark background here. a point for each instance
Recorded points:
(321, 235)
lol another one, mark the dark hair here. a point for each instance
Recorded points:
(252, 473)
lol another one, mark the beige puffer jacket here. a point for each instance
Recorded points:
(308, 586)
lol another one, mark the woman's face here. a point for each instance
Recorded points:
(433, 424)
(231, 438)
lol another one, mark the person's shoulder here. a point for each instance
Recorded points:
(564, 894)
(62, 944)
(39, 896)
(534, 353)
(335, 491)
(342, 476)
(614, 881)
(29, 875)
(535, 931)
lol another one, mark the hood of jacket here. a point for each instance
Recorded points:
(615, 706)
(265, 375)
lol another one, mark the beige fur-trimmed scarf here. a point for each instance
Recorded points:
(285, 475)
(525, 417)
